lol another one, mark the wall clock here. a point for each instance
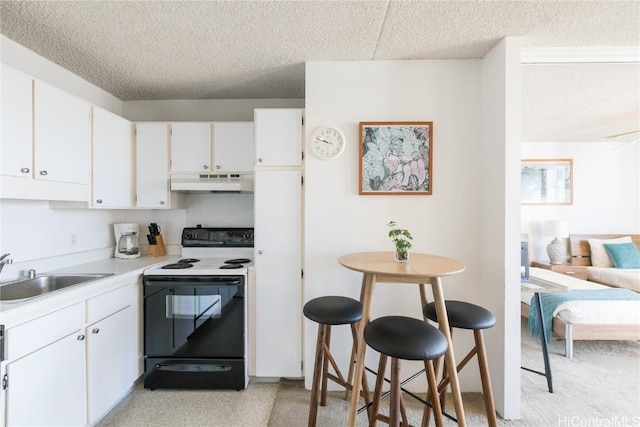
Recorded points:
(328, 143)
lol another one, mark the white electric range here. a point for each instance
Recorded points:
(195, 313)
(210, 251)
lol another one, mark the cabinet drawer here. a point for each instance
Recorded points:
(106, 304)
(577, 272)
(28, 337)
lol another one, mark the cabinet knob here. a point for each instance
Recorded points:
(162, 202)
(80, 337)
(95, 330)
(205, 167)
(260, 160)
(217, 166)
(260, 252)
(25, 170)
(43, 173)
(99, 201)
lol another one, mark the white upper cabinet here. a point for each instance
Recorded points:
(62, 135)
(233, 146)
(278, 134)
(219, 147)
(16, 122)
(152, 165)
(112, 158)
(190, 147)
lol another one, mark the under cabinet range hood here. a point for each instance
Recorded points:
(213, 183)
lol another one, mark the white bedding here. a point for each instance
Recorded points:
(595, 312)
(586, 312)
(628, 278)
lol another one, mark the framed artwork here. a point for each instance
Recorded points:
(396, 158)
(546, 181)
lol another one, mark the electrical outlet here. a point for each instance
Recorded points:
(73, 239)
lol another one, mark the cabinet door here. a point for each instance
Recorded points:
(62, 135)
(16, 123)
(190, 147)
(278, 265)
(111, 361)
(152, 165)
(278, 136)
(233, 146)
(47, 387)
(112, 176)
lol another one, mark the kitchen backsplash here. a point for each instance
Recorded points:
(45, 238)
(220, 210)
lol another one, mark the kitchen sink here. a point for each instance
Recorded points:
(43, 284)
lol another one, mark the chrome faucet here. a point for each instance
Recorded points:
(4, 260)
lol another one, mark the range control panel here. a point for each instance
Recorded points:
(214, 237)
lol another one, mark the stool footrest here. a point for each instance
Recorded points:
(416, 397)
(445, 381)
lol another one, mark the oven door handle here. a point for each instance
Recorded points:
(193, 367)
(201, 280)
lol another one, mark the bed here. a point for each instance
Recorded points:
(591, 320)
(581, 255)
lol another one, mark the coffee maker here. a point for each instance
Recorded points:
(126, 240)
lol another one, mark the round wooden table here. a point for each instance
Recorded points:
(421, 269)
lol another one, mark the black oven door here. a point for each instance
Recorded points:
(194, 331)
(194, 316)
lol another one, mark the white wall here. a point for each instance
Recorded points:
(500, 218)
(43, 238)
(339, 221)
(202, 109)
(449, 222)
(606, 186)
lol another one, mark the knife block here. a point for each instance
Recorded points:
(158, 248)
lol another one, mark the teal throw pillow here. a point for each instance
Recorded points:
(623, 255)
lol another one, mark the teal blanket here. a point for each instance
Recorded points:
(551, 300)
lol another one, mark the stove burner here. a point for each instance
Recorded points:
(177, 265)
(238, 261)
(231, 266)
(188, 260)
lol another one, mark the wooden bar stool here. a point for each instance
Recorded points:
(464, 315)
(403, 338)
(328, 311)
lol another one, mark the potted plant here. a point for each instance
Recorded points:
(401, 238)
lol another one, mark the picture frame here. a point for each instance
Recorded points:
(546, 181)
(396, 158)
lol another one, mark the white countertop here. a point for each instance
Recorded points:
(123, 271)
(116, 266)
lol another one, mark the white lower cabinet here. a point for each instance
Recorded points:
(111, 361)
(47, 387)
(71, 366)
(278, 271)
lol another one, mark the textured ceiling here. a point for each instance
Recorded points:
(152, 50)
